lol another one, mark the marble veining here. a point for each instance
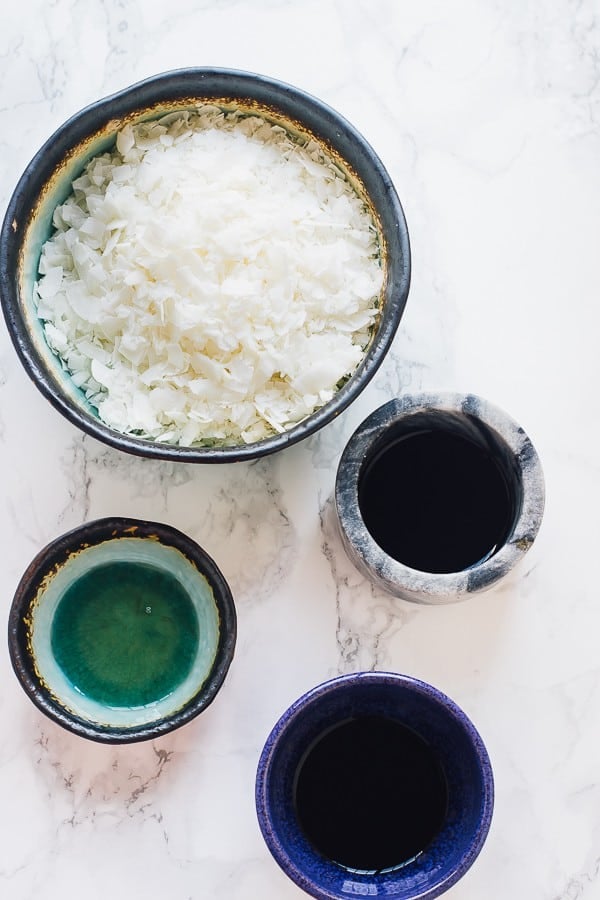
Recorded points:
(487, 116)
(367, 617)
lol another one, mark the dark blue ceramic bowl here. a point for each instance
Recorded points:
(436, 719)
(47, 180)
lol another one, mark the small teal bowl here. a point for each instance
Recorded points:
(438, 721)
(122, 630)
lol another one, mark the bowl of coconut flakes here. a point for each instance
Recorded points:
(209, 265)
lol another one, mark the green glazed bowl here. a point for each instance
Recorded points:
(122, 630)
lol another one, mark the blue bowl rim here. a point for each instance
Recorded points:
(190, 83)
(298, 707)
(57, 552)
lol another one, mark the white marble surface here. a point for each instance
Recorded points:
(487, 115)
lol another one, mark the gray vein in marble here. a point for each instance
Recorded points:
(353, 19)
(586, 38)
(163, 757)
(12, 49)
(560, 54)
(241, 520)
(247, 527)
(367, 618)
(326, 445)
(100, 780)
(487, 170)
(22, 104)
(143, 477)
(25, 519)
(122, 26)
(76, 470)
(399, 374)
(52, 75)
(582, 886)
(10, 874)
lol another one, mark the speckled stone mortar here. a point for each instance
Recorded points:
(472, 417)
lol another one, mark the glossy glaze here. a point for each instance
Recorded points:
(89, 690)
(447, 731)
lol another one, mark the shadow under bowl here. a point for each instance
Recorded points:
(46, 183)
(122, 630)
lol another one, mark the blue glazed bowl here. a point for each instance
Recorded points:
(122, 630)
(440, 723)
(47, 180)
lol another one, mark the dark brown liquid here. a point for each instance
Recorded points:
(436, 501)
(370, 794)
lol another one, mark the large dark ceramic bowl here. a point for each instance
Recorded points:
(46, 183)
(122, 630)
(447, 733)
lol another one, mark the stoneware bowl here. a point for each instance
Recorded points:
(122, 630)
(459, 419)
(46, 183)
(446, 731)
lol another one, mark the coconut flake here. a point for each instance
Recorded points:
(213, 278)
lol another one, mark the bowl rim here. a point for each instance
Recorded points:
(443, 587)
(55, 554)
(347, 681)
(180, 84)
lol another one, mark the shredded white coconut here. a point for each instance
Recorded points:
(211, 279)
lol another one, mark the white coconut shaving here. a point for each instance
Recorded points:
(211, 279)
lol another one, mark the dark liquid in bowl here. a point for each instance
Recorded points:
(370, 794)
(125, 634)
(436, 501)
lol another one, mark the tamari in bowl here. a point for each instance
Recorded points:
(369, 796)
(122, 630)
(47, 182)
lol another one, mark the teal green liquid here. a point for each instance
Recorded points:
(125, 634)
